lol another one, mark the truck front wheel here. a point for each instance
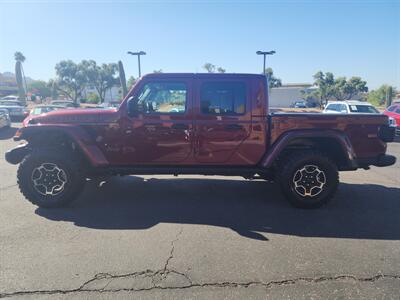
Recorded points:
(308, 179)
(50, 178)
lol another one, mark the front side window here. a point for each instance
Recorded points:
(163, 97)
(392, 108)
(223, 98)
(333, 107)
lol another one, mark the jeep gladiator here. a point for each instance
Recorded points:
(210, 124)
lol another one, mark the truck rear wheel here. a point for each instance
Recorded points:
(308, 179)
(50, 178)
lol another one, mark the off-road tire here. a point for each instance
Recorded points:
(299, 182)
(31, 168)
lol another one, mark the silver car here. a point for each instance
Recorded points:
(15, 109)
(5, 120)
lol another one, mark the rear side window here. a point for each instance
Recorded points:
(363, 109)
(398, 111)
(223, 98)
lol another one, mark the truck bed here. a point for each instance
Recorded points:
(361, 129)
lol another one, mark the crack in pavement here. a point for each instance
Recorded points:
(102, 282)
(171, 254)
(109, 278)
(225, 284)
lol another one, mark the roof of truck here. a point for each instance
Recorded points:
(351, 102)
(158, 75)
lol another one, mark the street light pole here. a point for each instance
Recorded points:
(265, 53)
(138, 54)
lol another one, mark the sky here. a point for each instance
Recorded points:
(347, 38)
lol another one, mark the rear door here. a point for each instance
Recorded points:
(222, 117)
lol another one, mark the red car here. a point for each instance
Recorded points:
(393, 111)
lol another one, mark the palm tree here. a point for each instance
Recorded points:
(20, 76)
(19, 56)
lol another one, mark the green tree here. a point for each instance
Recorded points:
(93, 98)
(221, 70)
(71, 79)
(131, 82)
(102, 78)
(20, 76)
(378, 97)
(339, 88)
(325, 83)
(39, 88)
(209, 67)
(346, 89)
(272, 80)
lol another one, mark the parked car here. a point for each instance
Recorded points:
(5, 120)
(350, 107)
(11, 97)
(111, 104)
(40, 109)
(299, 104)
(64, 103)
(15, 109)
(211, 124)
(393, 112)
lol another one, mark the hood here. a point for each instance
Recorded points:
(76, 116)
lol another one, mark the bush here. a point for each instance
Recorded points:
(93, 98)
(378, 97)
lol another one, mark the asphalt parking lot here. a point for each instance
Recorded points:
(202, 237)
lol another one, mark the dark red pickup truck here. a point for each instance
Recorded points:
(211, 124)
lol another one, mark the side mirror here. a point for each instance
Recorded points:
(132, 107)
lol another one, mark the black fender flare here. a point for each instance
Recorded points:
(85, 143)
(284, 140)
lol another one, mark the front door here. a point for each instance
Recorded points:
(161, 131)
(222, 118)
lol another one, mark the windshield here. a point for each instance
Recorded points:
(368, 109)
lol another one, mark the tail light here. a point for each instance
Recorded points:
(392, 122)
(386, 133)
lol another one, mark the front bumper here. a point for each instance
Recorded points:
(16, 155)
(383, 160)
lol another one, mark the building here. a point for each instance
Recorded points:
(284, 96)
(111, 95)
(8, 85)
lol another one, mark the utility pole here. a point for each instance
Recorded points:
(265, 53)
(138, 54)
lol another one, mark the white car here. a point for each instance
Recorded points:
(350, 107)
(15, 109)
(12, 98)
